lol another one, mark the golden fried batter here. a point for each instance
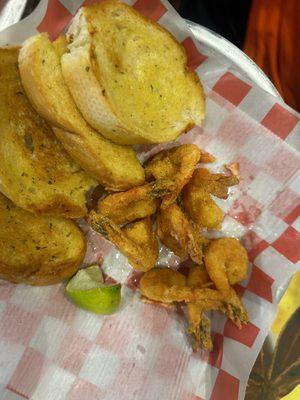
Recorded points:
(226, 262)
(157, 284)
(218, 263)
(135, 203)
(216, 184)
(141, 233)
(167, 286)
(228, 257)
(198, 202)
(141, 251)
(177, 164)
(177, 233)
(201, 208)
(198, 276)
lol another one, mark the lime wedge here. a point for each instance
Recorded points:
(87, 290)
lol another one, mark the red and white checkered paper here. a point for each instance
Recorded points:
(51, 350)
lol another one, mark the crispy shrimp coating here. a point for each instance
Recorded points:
(226, 256)
(201, 208)
(142, 234)
(177, 164)
(226, 262)
(135, 203)
(157, 284)
(198, 202)
(199, 324)
(177, 233)
(198, 276)
(168, 286)
(137, 242)
(216, 184)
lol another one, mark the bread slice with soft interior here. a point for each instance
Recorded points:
(129, 76)
(38, 250)
(116, 167)
(36, 172)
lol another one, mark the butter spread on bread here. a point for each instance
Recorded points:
(129, 76)
(115, 167)
(38, 250)
(36, 172)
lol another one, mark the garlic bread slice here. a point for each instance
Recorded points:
(38, 250)
(129, 77)
(115, 167)
(36, 172)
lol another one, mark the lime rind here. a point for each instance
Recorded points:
(87, 290)
(104, 300)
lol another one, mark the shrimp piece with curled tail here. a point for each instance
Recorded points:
(178, 234)
(136, 241)
(168, 286)
(136, 203)
(226, 262)
(197, 199)
(199, 323)
(177, 164)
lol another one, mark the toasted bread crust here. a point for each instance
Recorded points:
(115, 167)
(35, 170)
(37, 250)
(85, 71)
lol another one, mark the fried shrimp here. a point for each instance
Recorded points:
(201, 208)
(215, 184)
(136, 203)
(226, 262)
(167, 286)
(228, 256)
(177, 164)
(198, 202)
(137, 242)
(141, 233)
(182, 199)
(199, 324)
(198, 276)
(157, 285)
(177, 233)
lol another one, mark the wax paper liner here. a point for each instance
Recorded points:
(51, 350)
